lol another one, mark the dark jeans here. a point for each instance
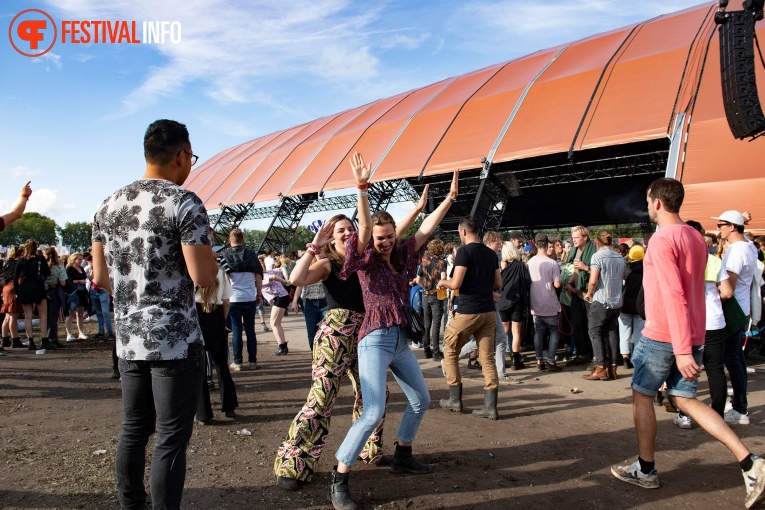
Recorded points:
(54, 304)
(243, 311)
(580, 339)
(162, 393)
(604, 324)
(543, 325)
(314, 310)
(226, 386)
(714, 364)
(735, 362)
(433, 313)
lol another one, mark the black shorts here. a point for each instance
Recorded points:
(281, 302)
(512, 314)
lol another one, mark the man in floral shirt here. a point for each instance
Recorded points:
(432, 271)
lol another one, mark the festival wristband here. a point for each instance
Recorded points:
(363, 186)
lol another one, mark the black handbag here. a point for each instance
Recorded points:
(415, 329)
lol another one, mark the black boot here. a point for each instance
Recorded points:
(282, 350)
(16, 343)
(489, 409)
(6, 341)
(58, 344)
(287, 484)
(31, 345)
(454, 402)
(517, 361)
(403, 462)
(47, 345)
(339, 494)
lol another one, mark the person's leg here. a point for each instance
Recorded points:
(709, 420)
(226, 386)
(97, 308)
(138, 416)
(500, 345)
(552, 349)
(248, 322)
(235, 313)
(42, 311)
(596, 321)
(637, 331)
(427, 319)
(611, 328)
(625, 333)
(485, 337)
(644, 417)
(580, 326)
(105, 300)
(312, 314)
(437, 308)
(458, 332)
(14, 326)
(176, 385)
(276, 324)
(80, 324)
(53, 306)
(204, 405)
(736, 365)
(407, 372)
(540, 333)
(28, 312)
(714, 366)
(517, 336)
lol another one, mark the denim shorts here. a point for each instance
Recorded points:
(655, 364)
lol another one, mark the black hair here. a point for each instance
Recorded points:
(469, 224)
(696, 225)
(163, 140)
(669, 191)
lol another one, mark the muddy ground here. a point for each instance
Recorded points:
(550, 448)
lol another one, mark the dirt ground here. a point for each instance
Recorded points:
(549, 448)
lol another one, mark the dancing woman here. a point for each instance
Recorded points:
(334, 352)
(385, 267)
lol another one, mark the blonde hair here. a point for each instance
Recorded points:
(583, 231)
(510, 253)
(12, 253)
(284, 260)
(492, 236)
(209, 294)
(70, 262)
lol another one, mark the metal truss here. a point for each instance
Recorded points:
(286, 221)
(230, 217)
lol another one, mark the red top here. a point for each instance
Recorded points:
(384, 291)
(673, 283)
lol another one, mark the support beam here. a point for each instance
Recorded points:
(286, 221)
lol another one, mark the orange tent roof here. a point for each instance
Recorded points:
(619, 87)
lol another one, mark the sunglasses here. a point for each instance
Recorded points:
(721, 225)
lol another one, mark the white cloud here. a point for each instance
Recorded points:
(344, 64)
(405, 41)
(22, 171)
(82, 57)
(49, 59)
(45, 201)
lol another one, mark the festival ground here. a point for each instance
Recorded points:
(550, 448)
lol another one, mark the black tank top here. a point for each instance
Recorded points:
(343, 293)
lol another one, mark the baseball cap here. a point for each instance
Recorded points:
(541, 238)
(516, 234)
(528, 247)
(734, 217)
(636, 253)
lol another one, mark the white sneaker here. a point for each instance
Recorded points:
(754, 479)
(632, 474)
(82, 336)
(443, 368)
(728, 406)
(71, 338)
(235, 367)
(734, 416)
(684, 422)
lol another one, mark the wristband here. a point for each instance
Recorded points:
(312, 246)
(26, 196)
(364, 194)
(310, 252)
(363, 186)
(451, 198)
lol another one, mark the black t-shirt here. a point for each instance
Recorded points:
(477, 286)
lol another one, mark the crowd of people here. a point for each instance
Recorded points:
(663, 305)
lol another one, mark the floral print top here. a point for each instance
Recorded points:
(385, 293)
(430, 272)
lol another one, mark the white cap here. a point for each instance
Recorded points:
(733, 217)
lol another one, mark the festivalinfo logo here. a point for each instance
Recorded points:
(33, 32)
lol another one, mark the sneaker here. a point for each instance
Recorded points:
(632, 474)
(552, 367)
(506, 379)
(111, 337)
(682, 421)
(541, 366)
(438, 356)
(417, 345)
(443, 367)
(265, 328)
(99, 336)
(755, 483)
(428, 353)
(83, 336)
(728, 406)
(71, 338)
(230, 414)
(252, 366)
(734, 416)
(235, 367)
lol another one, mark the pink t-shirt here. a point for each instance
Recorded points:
(544, 273)
(673, 283)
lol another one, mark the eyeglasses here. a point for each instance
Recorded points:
(194, 157)
(721, 225)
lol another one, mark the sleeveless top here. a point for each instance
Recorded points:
(344, 294)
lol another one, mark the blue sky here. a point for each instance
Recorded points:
(73, 120)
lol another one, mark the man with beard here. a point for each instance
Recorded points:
(673, 342)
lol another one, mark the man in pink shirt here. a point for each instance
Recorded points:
(673, 339)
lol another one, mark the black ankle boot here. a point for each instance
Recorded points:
(31, 345)
(489, 409)
(287, 484)
(517, 361)
(6, 341)
(58, 344)
(338, 492)
(47, 345)
(403, 462)
(282, 349)
(16, 343)
(454, 402)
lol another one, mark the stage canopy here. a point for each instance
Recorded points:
(652, 81)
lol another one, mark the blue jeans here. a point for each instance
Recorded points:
(501, 346)
(655, 364)
(543, 324)
(165, 393)
(630, 331)
(101, 302)
(314, 311)
(243, 312)
(735, 362)
(380, 349)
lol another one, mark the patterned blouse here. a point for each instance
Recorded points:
(384, 292)
(430, 273)
(273, 289)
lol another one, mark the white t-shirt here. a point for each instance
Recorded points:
(715, 317)
(224, 288)
(741, 258)
(269, 262)
(544, 273)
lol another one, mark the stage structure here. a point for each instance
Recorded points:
(566, 135)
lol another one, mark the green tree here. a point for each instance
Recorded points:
(76, 235)
(253, 238)
(300, 239)
(31, 225)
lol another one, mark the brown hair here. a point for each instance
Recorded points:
(604, 238)
(330, 251)
(436, 247)
(491, 236)
(51, 256)
(669, 191)
(236, 235)
(380, 219)
(30, 249)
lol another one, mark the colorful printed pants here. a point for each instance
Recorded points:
(334, 357)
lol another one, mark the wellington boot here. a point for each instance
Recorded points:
(489, 409)
(404, 462)
(454, 402)
(338, 492)
(599, 374)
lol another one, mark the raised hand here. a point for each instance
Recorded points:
(423, 198)
(361, 171)
(26, 191)
(324, 235)
(453, 191)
